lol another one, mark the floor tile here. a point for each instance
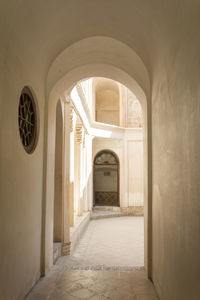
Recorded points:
(83, 294)
(106, 264)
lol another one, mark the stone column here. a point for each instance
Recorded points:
(82, 173)
(90, 174)
(71, 165)
(125, 176)
(78, 168)
(89, 170)
(85, 178)
(65, 225)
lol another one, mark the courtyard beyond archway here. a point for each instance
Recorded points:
(110, 243)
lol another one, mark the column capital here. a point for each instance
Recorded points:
(68, 100)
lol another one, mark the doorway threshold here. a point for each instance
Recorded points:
(100, 212)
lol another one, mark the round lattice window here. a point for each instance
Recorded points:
(27, 120)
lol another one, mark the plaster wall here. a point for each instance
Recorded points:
(176, 171)
(21, 179)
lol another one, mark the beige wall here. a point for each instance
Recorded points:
(21, 182)
(176, 173)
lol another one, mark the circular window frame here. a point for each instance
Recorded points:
(30, 147)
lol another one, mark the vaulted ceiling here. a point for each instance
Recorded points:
(37, 31)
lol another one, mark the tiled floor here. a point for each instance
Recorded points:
(94, 285)
(102, 266)
(111, 242)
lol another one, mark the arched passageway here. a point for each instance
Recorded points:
(106, 179)
(100, 66)
(154, 43)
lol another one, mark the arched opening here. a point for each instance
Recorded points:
(106, 179)
(89, 70)
(62, 78)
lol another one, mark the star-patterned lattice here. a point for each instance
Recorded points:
(106, 198)
(26, 120)
(105, 158)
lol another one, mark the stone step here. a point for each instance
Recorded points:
(107, 208)
(101, 214)
(56, 251)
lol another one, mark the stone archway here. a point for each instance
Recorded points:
(62, 77)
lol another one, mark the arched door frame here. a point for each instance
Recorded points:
(70, 80)
(118, 174)
(62, 76)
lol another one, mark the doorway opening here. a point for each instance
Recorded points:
(106, 179)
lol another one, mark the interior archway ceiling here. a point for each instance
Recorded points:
(103, 51)
(35, 32)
